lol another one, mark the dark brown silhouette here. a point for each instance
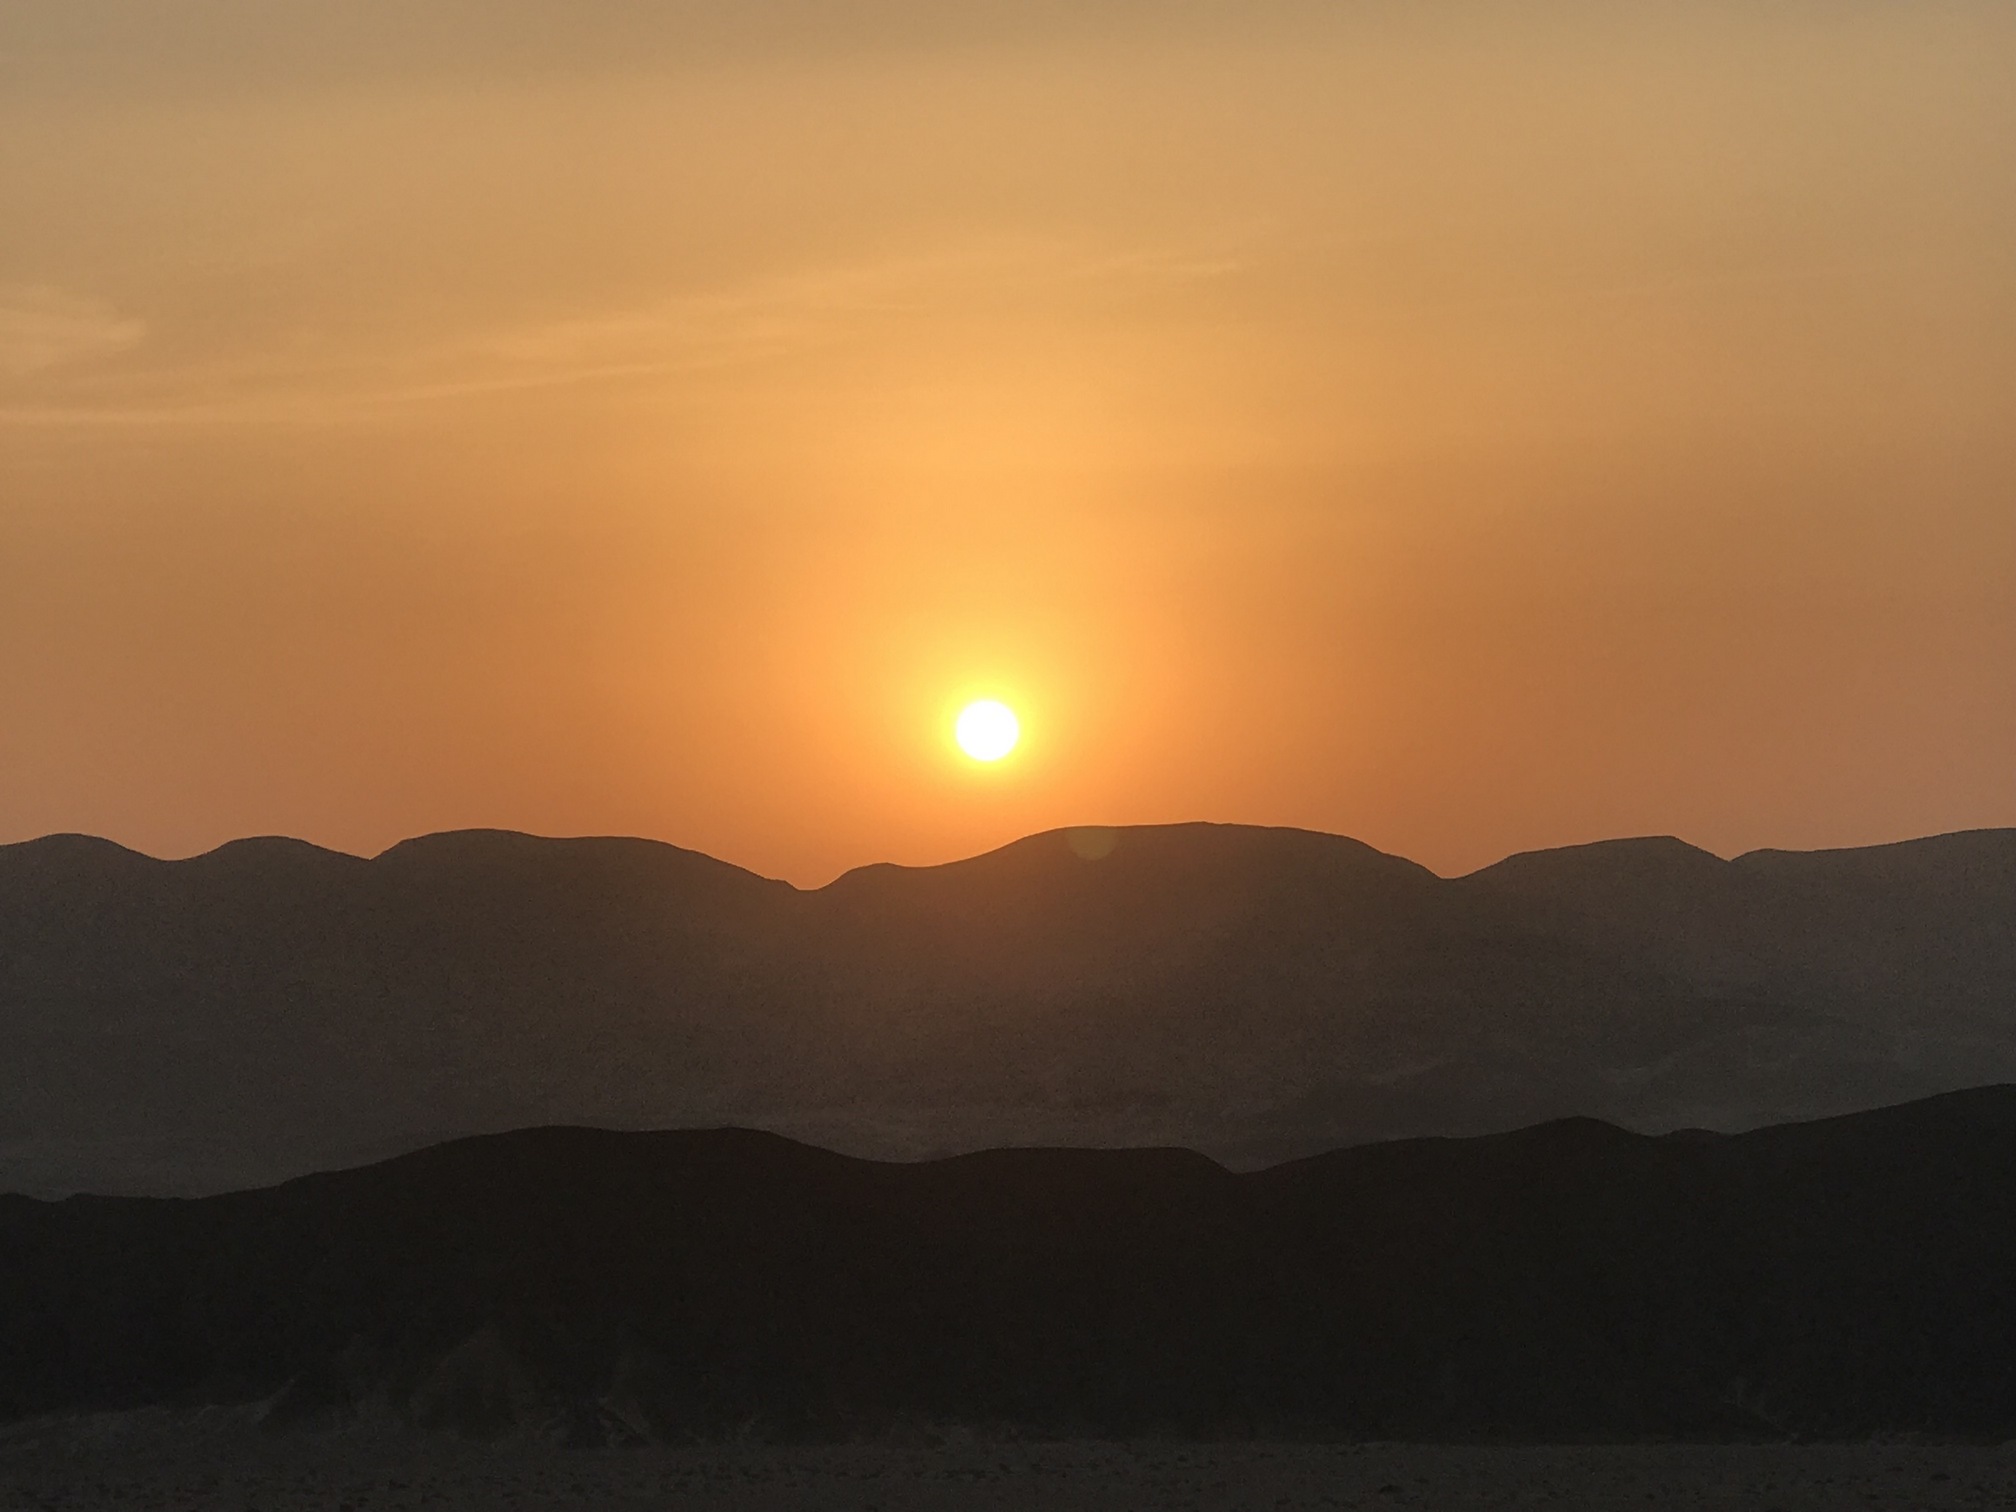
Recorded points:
(1836, 1279)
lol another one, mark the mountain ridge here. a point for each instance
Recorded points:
(271, 1008)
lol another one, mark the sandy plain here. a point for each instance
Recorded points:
(161, 1461)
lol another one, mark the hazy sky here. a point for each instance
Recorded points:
(1467, 427)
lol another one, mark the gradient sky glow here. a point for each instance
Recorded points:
(1465, 427)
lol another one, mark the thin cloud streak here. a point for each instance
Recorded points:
(690, 334)
(43, 328)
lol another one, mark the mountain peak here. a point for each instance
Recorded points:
(1636, 857)
(71, 850)
(1080, 849)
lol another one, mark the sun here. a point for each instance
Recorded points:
(987, 730)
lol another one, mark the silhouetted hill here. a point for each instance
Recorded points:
(1834, 1279)
(271, 1008)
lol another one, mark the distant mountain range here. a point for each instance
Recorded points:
(271, 1008)
(1839, 1279)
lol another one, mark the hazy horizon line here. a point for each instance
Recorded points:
(1062, 829)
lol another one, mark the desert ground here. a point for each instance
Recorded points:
(160, 1461)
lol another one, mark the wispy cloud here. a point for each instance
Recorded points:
(701, 331)
(777, 317)
(42, 328)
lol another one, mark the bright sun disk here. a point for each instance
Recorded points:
(987, 730)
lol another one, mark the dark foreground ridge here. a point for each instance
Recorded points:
(1839, 1279)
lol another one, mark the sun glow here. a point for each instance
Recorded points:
(987, 730)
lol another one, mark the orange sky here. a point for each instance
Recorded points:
(1461, 432)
